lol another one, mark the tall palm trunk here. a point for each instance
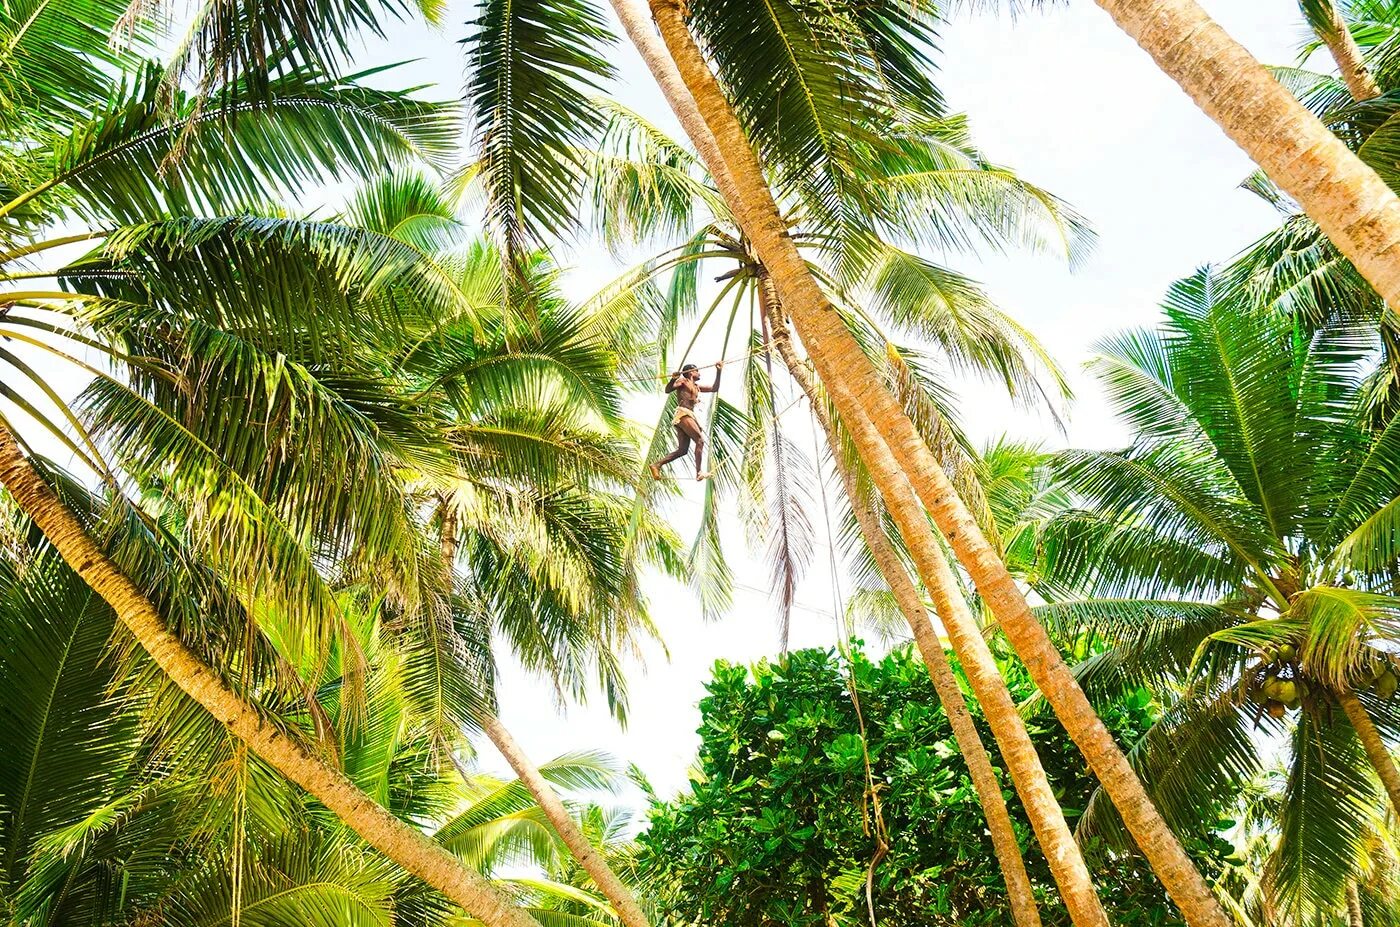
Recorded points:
(1018, 752)
(629, 912)
(1342, 195)
(1354, 917)
(1374, 745)
(1024, 912)
(1327, 21)
(624, 903)
(857, 390)
(400, 842)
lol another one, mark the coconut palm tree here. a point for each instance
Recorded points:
(1295, 150)
(645, 183)
(892, 446)
(126, 804)
(1330, 26)
(260, 504)
(539, 540)
(1237, 560)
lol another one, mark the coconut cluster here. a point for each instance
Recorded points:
(1281, 685)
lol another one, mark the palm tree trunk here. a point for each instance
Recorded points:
(1327, 21)
(857, 391)
(1354, 918)
(1017, 750)
(1374, 745)
(405, 845)
(629, 912)
(624, 903)
(1342, 195)
(1024, 912)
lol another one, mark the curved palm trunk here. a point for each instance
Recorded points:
(1331, 27)
(1374, 745)
(1024, 912)
(1342, 195)
(624, 903)
(588, 856)
(405, 845)
(857, 391)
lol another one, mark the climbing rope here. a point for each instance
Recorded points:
(760, 349)
(872, 815)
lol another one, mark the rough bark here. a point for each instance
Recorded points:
(857, 391)
(1374, 745)
(1333, 31)
(1352, 205)
(400, 842)
(629, 912)
(1021, 897)
(1354, 917)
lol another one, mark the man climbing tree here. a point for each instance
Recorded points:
(686, 385)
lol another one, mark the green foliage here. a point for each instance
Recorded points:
(777, 827)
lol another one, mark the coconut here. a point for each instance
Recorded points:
(1386, 685)
(1275, 709)
(1286, 691)
(1273, 689)
(1287, 651)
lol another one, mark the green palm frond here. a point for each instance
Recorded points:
(532, 67)
(55, 58)
(642, 185)
(134, 159)
(67, 739)
(1295, 270)
(968, 330)
(933, 187)
(409, 207)
(1326, 813)
(1343, 628)
(252, 45)
(1178, 497)
(1150, 642)
(304, 879)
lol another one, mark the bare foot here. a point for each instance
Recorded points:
(655, 472)
(701, 477)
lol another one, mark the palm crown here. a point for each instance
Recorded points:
(1240, 559)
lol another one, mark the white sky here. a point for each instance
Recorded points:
(1073, 105)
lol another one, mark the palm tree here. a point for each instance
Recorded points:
(127, 805)
(713, 128)
(937, 174)
(1330, 25)
(1238, 558)
(533, 511)
(160, 255)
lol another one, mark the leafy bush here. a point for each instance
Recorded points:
(778, 829)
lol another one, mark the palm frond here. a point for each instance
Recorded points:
(532, 67)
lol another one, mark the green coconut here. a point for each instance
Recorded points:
(1287, 651)
(1387, 684)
